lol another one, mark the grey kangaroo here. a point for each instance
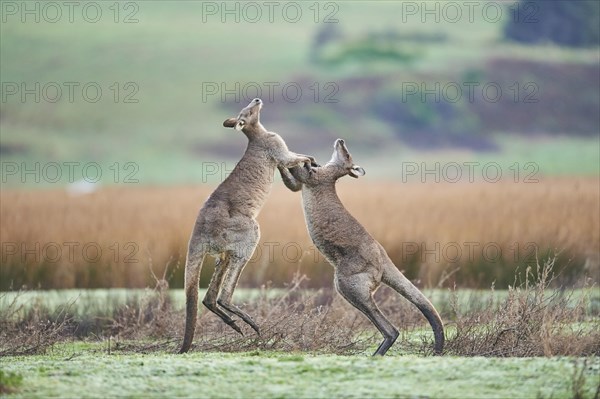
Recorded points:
(361, 263)
(226, 226)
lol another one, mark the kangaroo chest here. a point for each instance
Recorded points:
(328, 226)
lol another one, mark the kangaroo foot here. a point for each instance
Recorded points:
(237, 311)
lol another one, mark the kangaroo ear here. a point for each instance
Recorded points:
(230, 122)
(239, 125)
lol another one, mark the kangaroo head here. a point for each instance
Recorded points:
(340, 165)
(248, 119)
(341, 161)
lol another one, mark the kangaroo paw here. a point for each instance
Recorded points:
(235, 326)
(241, 314)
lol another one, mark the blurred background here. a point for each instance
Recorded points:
(478, 124)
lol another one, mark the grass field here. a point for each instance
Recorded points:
(52, 239)
(99, 343)
(89, 371)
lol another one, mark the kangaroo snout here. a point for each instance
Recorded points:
(257, 102)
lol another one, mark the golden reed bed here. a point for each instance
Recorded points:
(476, 232)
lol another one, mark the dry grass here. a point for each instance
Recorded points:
(532, 320)
(296, 320)
(31, 330)
(421, 226)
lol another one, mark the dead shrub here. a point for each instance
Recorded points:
(533, 320)
(298, 320)
(31, 330)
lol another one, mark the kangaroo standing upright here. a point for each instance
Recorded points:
(361, 263)
(226, 226)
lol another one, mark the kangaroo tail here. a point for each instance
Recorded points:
(192, 278)
(396, 280)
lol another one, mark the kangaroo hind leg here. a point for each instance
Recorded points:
(230, 281)
(356, 289)
(214, 287)
(240, 255)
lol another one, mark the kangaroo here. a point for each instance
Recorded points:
(361, 263)
(226, 227)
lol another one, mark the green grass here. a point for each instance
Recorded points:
(9, 381)
(105, 301)
(148, 367)
(89, 371)
(101, 302)
(557, 156)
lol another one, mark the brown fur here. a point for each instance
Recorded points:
(226, 226)
(361, 263)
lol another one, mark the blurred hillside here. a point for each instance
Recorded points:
(148, 85)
